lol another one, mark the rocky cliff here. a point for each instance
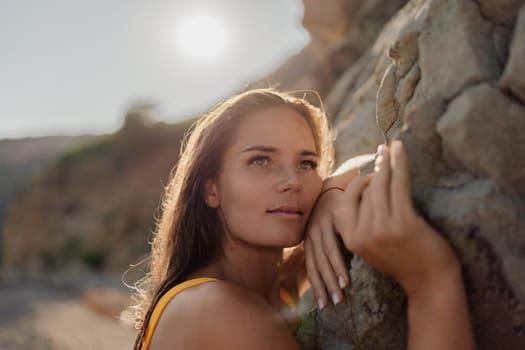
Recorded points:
(23, 159)
(448, 78)
(93, 208)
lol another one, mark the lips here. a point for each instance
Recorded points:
(287, 209)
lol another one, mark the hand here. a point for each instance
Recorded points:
(378, 222)
(325, 265)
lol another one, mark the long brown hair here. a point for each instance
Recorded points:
(189, 234)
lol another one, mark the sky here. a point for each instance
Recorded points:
(70, 67)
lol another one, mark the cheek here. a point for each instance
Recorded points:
(242, 198)
(241, 191)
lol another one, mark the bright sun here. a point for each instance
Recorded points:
(202, 36)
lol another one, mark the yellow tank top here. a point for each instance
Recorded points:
(170, 294)
(163, 302)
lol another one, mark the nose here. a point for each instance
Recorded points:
(290, 180)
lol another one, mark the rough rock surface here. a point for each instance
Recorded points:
(515, 69)
(447, 77)
(340, 31)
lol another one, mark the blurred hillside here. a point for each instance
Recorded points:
(93, 207)
(20, 159)
(23, 159)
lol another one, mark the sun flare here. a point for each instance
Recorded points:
(202, 36)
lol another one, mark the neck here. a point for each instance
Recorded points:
(251, 267)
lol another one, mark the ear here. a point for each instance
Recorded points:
(211, 193)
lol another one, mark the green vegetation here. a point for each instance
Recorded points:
(94, 258)
(49, 260)
(75, 249)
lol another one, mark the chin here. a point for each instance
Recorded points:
(293, 241)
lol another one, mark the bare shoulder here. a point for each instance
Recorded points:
(221, 315)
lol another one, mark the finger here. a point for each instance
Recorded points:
(365, 217)
(325, 268)
(400, 191)
(313, 275)
(353, 194)
(346, 226)
(335, 257)
(380, 185)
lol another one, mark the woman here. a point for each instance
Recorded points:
(245, 186)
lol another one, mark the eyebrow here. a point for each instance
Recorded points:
(270, 149)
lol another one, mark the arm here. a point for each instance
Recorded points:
(325, 265)
(378, 222)
(439, 314)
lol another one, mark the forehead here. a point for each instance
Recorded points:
(281, 127)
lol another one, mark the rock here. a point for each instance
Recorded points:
(486, 227)
(403, 94)
(340, 31)
(370, 317)
(455, 51)
(500, 11)
(339, 91)
(431, 78)
(355, 122)
(404, 51)
(515, 70)
(386, 105)
(501, 38)
(484, 131)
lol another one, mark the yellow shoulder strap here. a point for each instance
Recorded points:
(163, 302)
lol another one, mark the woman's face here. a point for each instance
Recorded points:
(269, 181)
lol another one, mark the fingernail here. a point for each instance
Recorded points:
(378, 161)
(320, 303)
(380, 149)
(335, 298)
(342, 282)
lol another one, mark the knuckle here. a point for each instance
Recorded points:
(401, 223)
(332, 250)
(378, 230)
(397, 228)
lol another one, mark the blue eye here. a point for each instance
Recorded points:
(259, 161)
(307, 164)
